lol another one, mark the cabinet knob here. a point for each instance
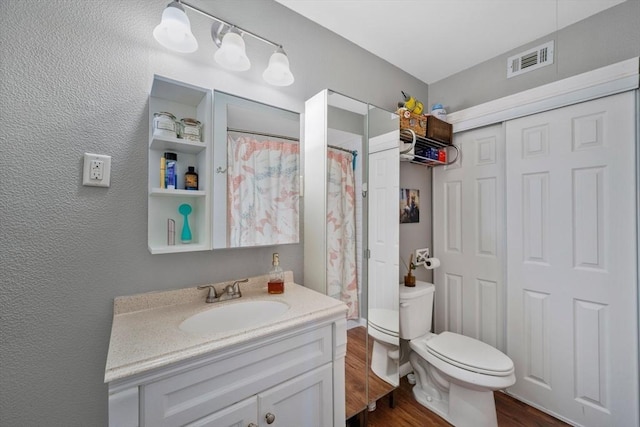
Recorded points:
(270, 418)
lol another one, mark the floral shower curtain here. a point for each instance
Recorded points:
(341, 230)
(263, 189)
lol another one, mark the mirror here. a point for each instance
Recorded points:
(346, 234)
(339, 134)
(256, 173)
(383, 233)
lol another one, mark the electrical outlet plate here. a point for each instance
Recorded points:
(97, 170)
(421, 255)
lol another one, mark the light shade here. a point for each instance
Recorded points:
(174, 31)
(231, 54)
(278, 72)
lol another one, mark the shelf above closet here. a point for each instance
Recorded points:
(419, 150)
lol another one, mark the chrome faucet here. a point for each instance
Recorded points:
(231, 291)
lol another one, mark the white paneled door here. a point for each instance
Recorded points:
(468, 234)
(572, 325)
(384, 219)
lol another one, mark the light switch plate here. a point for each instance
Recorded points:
(99, 163)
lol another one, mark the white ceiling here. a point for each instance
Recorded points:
(433, 39)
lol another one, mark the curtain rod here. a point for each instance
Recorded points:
(343, 149)
(271, 135)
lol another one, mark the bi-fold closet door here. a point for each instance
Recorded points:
(567, 259)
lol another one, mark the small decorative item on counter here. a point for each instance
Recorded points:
(439, 112)
(410, 279)
(190, 129)
(164, 124)
(276, 277)
(171, 171)
(191, 179)
(184, 210)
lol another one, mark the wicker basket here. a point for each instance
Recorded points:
(415, 122)
(426, 126)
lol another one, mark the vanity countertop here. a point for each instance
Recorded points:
(145, 333)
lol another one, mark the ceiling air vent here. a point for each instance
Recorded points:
(530, 60)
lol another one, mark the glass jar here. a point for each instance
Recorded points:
(164, 124)
(190, 129)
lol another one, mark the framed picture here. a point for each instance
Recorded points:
(409, 205)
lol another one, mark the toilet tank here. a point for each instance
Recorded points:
(416, 309)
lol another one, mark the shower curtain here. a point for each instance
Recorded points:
(342, 278)
(263, 189)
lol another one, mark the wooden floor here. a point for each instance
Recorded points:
(407, 411)
(356, 369)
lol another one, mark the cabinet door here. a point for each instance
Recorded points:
(304, 401)
(242, 414)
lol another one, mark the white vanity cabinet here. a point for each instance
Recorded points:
(286, 379)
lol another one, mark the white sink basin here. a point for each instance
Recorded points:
(238, 315)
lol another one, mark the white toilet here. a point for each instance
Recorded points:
(455, 375)
(383, 328)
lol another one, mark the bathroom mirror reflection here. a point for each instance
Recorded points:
(339, 210)
(383, 234)
(256, 173)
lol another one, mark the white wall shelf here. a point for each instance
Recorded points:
(182, 100)
(163, 192)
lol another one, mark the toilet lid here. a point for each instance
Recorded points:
(384, 320)
(469, 353)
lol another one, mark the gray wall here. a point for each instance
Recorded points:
(416, 235)
(74, 78)
(606, 38)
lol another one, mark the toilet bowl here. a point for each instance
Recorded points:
(383, 328)
(455, 374)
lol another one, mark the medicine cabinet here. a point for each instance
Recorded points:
(256, 173)
(248, 168)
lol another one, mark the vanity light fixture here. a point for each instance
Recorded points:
(174, 33)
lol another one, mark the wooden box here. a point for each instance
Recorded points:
(426, 126)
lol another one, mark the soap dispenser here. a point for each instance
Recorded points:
(276, 277)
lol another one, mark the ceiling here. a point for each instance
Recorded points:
(433, 39)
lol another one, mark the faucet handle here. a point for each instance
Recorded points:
(236, 285)
(212, 296)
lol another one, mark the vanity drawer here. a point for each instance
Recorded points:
(196, 392)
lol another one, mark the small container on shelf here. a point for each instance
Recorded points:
(191, 179)
(171, 171)
(442, 155)
(190, 130)
(276, 277)
(164, 125)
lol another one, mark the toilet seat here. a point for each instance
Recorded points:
(465, 353)
(383, 325)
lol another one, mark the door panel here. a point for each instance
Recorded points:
(384, 187)
(305, 401)
(571, 270)
(468, 238)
